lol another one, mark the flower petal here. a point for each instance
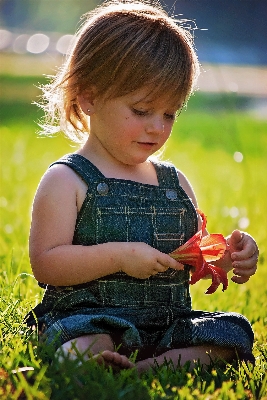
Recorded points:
(198, 251)
(213, 246)
(218, 276)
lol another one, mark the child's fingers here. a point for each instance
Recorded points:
(244, 272)
(249, 252)
(236, 240)
(168, 262)
(244, 268)
(245, 248)
(178, 266)
(160, 268)
(240, 279)
(246, 264)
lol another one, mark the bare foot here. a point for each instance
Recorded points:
(114, 360)
(145, 365)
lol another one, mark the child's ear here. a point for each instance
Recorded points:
(86, 100)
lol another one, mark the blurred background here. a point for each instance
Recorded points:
(219, 141)
(229, 31)
(35, 34)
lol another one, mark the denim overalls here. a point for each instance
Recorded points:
(152, 315)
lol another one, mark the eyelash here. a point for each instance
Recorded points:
(170, 116)
(139, 112)
(144, 113)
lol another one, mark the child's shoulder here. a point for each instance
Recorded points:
(59, 177)
(60, 185)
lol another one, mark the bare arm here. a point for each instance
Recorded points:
(56, 261)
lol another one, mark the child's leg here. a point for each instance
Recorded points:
(99, 347)
(202, 353)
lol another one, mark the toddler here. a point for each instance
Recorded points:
(106, 217)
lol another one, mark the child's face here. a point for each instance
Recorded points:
(131, 128)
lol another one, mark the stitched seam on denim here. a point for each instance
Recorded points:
(127, 213)
(121, 210)
(169, 236)
(87, 204)
(167, 284)
(61, 330)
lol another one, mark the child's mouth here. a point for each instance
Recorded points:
(147, 144)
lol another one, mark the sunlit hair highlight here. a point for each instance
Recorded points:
(120, 48)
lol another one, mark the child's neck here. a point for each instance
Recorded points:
(143, 173)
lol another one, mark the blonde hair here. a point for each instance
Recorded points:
(121, 47)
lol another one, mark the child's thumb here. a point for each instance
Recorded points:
(236, 240)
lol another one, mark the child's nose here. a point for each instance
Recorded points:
(155, 125)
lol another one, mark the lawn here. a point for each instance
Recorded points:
(221, 147)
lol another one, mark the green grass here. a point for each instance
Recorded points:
(203, 143)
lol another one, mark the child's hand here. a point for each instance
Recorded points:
(141, 260)
(244, 255)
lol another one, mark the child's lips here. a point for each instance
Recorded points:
(147, 145)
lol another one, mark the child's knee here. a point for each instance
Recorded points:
(85, 346)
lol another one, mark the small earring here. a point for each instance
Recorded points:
(88, 110)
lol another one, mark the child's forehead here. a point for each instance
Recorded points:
(146, 97)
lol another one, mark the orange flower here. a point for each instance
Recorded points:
(199, 251)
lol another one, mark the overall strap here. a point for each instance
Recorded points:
(166, 172)
(82, 166)
(167, 175)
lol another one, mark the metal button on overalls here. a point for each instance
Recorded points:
(171, 194)
(102, 188)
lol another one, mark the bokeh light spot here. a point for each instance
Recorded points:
(37, 43)
(63, 43)
(238, 157)
(243, 223)
(8, 228)
(20, 43)
(5, 39)
(233, 212)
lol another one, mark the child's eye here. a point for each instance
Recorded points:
(141, 113)
(170, 116)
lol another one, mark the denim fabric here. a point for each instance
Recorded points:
(153, 313)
